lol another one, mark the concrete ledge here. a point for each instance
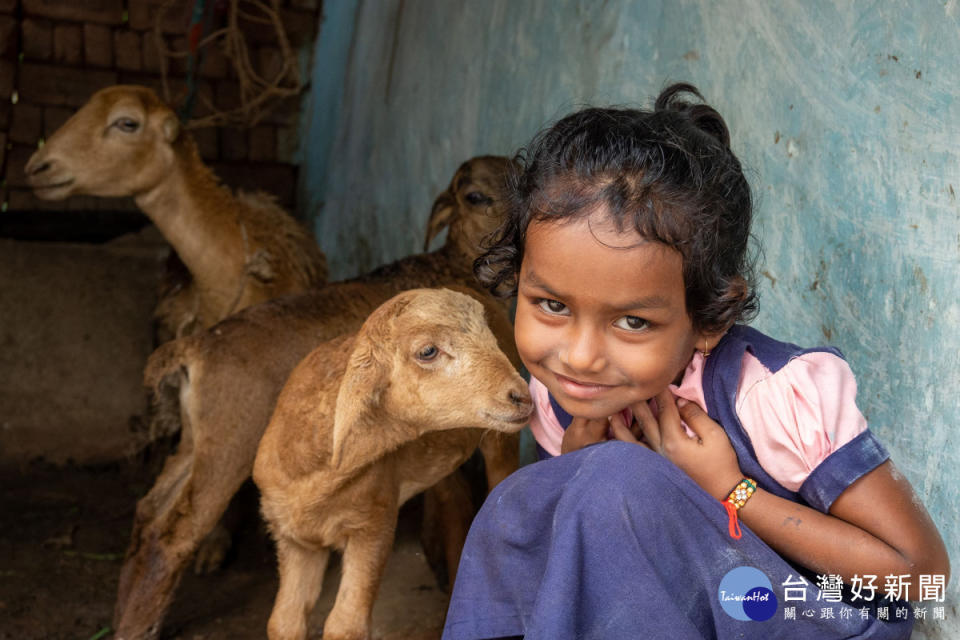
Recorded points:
(75, 331)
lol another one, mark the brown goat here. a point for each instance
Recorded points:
(365, 422)
(239, 249)
(223, 383)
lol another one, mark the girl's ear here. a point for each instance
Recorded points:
(708, 341)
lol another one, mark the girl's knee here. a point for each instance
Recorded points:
(618, 478)
(630, 468)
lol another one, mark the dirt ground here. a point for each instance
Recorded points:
(63, 532)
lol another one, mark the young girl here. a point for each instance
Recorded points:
(627, 248)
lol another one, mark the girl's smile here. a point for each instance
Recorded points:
(601, 315)
(582, 390)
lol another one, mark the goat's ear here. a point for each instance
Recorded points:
(440, 216)
(359, 397)
(171, 128)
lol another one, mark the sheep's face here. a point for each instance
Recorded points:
(473, 206)
(427, 361)
(449, 371)
(118, 144)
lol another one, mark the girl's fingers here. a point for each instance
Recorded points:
(696, 418)
(588, 427)
(583, 432)
(675, 425)
(670, 425)
(648, 424)
(620, 431)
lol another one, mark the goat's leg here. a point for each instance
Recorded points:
(447, 513)
(501, 455)
(186, 502)
(139, 563)
(214, 547)
(301, 578)
(448, 505)
(364, 558)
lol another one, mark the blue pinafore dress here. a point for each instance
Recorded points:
(615, 542)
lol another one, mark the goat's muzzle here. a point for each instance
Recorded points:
(46, 177)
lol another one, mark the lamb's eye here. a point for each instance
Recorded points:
(127, 125)
(477, 197)
(428, 353)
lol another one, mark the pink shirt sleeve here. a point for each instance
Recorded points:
(799, 415)
(544, 425)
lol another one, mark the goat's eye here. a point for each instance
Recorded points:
(428, 353)
(127, 125)
(477, 197)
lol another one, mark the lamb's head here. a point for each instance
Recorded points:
(473, 206)
(424, 361)
(117, 144)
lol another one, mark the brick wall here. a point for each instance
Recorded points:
(55, 53)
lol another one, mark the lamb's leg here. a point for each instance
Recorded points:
(186, 502)
(501, 455)
(364, 558)
(448, 511)
(214, 547)
(213, 550)
(301, 578)
(141, 563)
(448, 506)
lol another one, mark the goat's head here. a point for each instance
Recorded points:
(118, 144)
(473, 205)
(424, 361)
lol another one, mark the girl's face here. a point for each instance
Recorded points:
(601, 316)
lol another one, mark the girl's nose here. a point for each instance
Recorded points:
(583, 350)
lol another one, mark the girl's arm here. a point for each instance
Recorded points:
(877, 526)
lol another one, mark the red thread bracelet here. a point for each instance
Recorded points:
(735, 500)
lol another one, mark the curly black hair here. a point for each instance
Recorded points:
(668, 173)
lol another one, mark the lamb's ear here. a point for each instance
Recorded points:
(355, 435)
(170, 128)
(440, 216)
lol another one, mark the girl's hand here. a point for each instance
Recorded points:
(708, 458)
(582, 432)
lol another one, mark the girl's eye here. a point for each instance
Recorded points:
(631, 323)
(428, 353)
(553, 307)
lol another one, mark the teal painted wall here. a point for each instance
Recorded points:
(846, 115)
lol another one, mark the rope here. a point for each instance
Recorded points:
(194, 60)
(258, 96)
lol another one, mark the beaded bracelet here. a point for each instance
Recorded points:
(742, 492)
(737, 498)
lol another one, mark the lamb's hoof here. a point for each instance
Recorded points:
(212, 551)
